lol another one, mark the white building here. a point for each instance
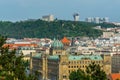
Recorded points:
(48, 18)
(89, 19)
(76, 17)
(97, 19)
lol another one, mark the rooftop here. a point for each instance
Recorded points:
(115, 76)
(80, 57)
(72, 57)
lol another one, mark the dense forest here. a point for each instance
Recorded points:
(42, 29)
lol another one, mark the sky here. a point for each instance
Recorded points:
(17, 10)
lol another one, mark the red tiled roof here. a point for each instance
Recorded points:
(65, 40)
(115, 76)
(15, 46)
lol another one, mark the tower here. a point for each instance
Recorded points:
(76, 17)
(57, 48)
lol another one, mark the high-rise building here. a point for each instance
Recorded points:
(97, 19)
(76, 17)
(90, 19)
(105, 19)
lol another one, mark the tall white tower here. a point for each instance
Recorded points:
(76, 17)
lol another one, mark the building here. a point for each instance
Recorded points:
(116, 63)
(66, 41)
(48, 18)
(25, 51)
(59, 64)
(97, 20)
(76, 17)
(106, 19)
(90, 19)
(108, 34)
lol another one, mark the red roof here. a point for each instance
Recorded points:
(65, 40)
(115, 76)
(15, 46)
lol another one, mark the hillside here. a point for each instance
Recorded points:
(41, 29)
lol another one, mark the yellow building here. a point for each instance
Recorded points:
(59, 66)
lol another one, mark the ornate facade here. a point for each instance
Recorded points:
(59, 66)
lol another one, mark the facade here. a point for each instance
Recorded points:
(59, 66)
(26, 52)
(48, 18)
(108, 34)
(116, 63)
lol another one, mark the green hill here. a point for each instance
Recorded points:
(42, 29)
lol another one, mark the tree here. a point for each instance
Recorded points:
(78, 75)
(11, 65)
(95, 72)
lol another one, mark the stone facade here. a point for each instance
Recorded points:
(59, 66)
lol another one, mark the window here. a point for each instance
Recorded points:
(64, 76)
(69, 71)
(68, 66)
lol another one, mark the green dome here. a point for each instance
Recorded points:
(57, 44)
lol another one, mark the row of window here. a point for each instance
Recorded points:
(84, 62)
(81, 66)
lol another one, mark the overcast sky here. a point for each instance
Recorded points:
(16, 10)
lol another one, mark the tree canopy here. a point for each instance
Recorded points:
(93, 72)
(12, 67)
(43, 29)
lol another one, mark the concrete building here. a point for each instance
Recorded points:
(48, 18)
(25, 51)
(59, 64)
(76, 17)
(97, 19)
(90, 19)
(105, 19)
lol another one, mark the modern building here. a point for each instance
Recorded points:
(59, 64)
(48, 18)
(90, 19)
(105, 19)
(76, 17)
(97, 19)
(25, 51)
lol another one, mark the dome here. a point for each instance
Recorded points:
(57, 44)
